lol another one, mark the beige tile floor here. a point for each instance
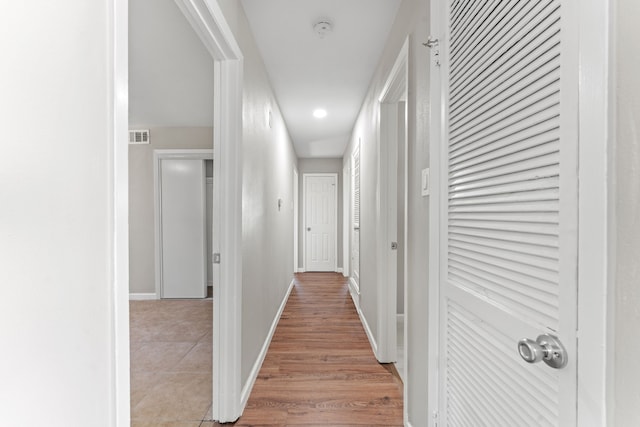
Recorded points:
(171, 363)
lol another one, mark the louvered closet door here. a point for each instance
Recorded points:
(355, 244)
(510, 249)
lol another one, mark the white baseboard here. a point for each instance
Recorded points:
(253, 375)
(301, 270)
(142, 296)
(354, 288)
(340, 270)
(400, 318)
(367, 329)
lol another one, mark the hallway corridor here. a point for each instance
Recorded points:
(320, 369)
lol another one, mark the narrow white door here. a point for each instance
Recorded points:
(509, 247)
(183, 228)
(320, 222)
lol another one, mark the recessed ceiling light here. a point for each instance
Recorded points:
(320, 113)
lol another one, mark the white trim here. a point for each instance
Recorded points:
(335, 217)
(255, 370)
(158, 156)
(142, 296)
(118, 39)
(394, 91)
(596, 210)
(296, 218)
(339, 270)
(355, 289)
(437, 203)
(367, 329)
(301, 270)
(209, 23)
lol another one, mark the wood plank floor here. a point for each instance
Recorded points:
(320, 369)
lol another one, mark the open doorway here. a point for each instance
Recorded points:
(171, 321)
(391, 217)
(207, 32)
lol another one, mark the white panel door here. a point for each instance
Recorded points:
(320, 222)
(509, 247)
(183, 228)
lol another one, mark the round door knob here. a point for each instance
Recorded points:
(308, 228)
(546, 348)
(530, 350)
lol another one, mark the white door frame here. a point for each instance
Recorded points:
(296, 218)
(118, 158)
(394, 91)
(304, 218)
(158, 156)
(596, 210)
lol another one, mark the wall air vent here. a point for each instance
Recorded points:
(139, 136)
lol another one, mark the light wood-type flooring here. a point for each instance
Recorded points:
(319, 370)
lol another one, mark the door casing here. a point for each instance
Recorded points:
(394, 91)
(296, 219)
(595, 211)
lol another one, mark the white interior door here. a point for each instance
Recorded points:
(320, 222)
(183, 228)
(509, 247)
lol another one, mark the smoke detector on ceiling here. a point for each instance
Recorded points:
(323, 27)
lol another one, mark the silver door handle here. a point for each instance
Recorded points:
(546, 348)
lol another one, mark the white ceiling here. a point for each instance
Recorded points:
(309, 72)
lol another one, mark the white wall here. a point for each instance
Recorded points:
(627, 288)
(268, 163)
(412, 21)
(141, 201)
(319, 166)
(57, 268)
(171, 72)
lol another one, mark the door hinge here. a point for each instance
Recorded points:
(394, 246)
(432, 43)
(216, 258)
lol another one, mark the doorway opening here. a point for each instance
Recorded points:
(210, 26)
(391, 215)
(391, 218)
